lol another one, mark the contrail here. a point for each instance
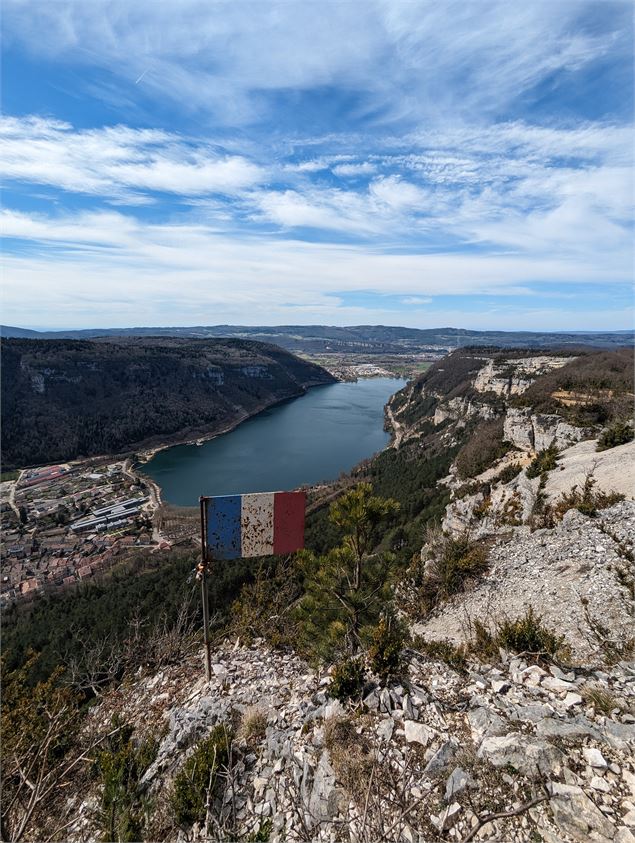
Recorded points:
(141, 77)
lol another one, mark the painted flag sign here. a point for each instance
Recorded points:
(254, 525)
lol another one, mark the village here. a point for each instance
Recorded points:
(64, 524)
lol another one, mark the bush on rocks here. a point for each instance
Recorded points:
(618, 433)
(349, 678)
(455, 656)
(453, 561)
(385, 650)
(197, 783)
(253, 724)
(544, 461)
(525, 634)
(586, 500)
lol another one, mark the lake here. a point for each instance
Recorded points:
(305, 440)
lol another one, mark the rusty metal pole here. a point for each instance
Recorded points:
(204, 595)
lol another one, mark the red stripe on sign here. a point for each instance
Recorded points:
(288, 521)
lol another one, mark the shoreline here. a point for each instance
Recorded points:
(147, 454)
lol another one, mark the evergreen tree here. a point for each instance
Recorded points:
(347, 588)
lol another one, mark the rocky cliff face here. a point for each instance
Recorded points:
(503, 378)
(533, 432)
(469, 385)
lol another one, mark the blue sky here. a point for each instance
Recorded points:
(415, 163)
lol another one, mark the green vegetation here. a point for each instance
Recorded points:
(525, 634)
(618, 433)
(348, 680)
(264, 607)
(38, 734)
(198, 782)
(96, 618)
(451, 563)
(482, 449)
(5, 476)
(262, 834)
(508, 473)
(385, 649)
(120, 765)
(346, 589)
(586, 500)
(443, 651)
(253, 724)
(601, 700)
(545, 460)
(596, 388)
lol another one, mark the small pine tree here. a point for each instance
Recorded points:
(346, 589)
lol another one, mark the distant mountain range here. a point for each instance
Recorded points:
(380, 339)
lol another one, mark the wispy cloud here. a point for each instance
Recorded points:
(117, 160)
(278, 158)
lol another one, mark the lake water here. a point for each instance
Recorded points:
(303, 441)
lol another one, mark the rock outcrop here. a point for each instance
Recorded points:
(578, 576)
(513, 378)
(529, 431)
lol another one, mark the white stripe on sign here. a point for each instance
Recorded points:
(256, 524)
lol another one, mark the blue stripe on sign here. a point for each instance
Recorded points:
(223, 527)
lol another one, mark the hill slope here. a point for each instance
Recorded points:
(66, 398)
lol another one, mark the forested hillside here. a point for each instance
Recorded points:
(63, 399)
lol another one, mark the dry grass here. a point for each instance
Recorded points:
(351, 755)
(253, 724)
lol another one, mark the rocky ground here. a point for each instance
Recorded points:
(578, 576)
(508, 752)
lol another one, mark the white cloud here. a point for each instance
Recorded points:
(117, 161)
(362, 169)
(398, 195)
(416, 300)
(100, 254)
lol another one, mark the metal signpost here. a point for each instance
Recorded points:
(201, 573)
(242, 526)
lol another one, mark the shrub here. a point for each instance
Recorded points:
(525, 634)
(482, 508)
(586, 500)
(482, 449)
(465, 490)
(512, 510)
(619, 433)
(120, 767)
(508, 473)
(545, 460)
(262, 834)
(385, 651)
(455, 560)
(601, 700)
(443, 651)
(197, 780)
(264, 606)
(528, 635)
(350, 754)
(349, 677)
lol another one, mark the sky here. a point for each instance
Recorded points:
(403, 162)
